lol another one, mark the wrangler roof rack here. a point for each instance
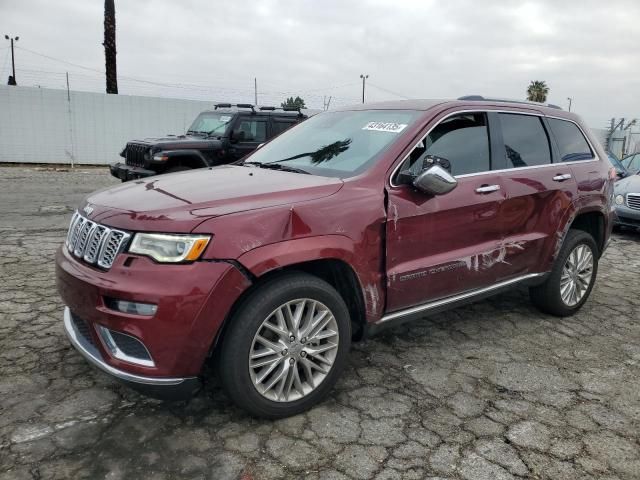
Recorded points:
(478, 98)
(262, 109)
(237, 105)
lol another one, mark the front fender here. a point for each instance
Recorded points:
(194, 155)
(262, 260)
(270, 257)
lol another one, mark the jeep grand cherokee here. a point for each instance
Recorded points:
(352, 221)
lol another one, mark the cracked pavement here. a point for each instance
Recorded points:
(493, 390)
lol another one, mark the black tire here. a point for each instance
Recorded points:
(177, 168)
(546, 296)
(233, 365)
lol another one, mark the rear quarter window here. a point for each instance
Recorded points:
(571, 142)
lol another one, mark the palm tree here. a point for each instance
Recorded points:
(537, 91)
(110, 46)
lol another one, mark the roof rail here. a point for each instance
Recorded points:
(238, 105)
(477, 98)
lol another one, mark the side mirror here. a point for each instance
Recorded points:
(435, 180)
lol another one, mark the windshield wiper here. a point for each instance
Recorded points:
(277, 166)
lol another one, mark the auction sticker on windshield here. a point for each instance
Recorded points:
(225, 118)
(385, 127)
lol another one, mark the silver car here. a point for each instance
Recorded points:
(627, 201)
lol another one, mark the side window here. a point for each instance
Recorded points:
(278, 126)
(255, 129)
(462, 139)
(571, 142)
(525, 140)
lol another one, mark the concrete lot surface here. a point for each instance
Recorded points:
(494, 390)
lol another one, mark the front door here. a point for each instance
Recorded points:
(438, 246)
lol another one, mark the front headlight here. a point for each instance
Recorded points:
(166, 248)
(619, 199)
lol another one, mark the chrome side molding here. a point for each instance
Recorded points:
(425, 307)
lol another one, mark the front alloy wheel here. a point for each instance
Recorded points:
(293, 350)
(285, 346)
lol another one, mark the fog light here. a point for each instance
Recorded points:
(133, 308)
(619, 199)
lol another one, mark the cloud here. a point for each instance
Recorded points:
(419, 49)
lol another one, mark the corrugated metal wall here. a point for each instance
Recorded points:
(39, 125)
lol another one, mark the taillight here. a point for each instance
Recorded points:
(613, 175)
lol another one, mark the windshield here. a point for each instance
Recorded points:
(336, 144)
(210, 123)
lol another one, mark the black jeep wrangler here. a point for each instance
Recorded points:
(219, 136)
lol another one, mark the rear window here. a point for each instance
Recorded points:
(525, 140)
(571, 142)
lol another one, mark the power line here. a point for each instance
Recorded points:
(4, 62)
(389, 91)
(168, 89)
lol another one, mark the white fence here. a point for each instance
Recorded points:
(39, 125)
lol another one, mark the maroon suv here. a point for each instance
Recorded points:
(354, 220)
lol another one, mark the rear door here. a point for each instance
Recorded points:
(280, 124)
(254, 130)
(539, 193)
(438, 246)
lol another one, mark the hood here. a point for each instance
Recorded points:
(179, 202)
(177, 141)
(630, 184)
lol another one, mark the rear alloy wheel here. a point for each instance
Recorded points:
(576, 275)
(285, 346)
(570, 282)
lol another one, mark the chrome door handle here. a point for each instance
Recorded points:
(561, 177)
(488, 188)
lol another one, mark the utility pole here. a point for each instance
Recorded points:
(255, 91)
(71, 155)
(12, 78)
(326, 103)
(570, 100)
(110, 46)
(364, 78)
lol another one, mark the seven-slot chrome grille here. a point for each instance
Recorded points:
(134, 154)
(633, 200)
(94, 243)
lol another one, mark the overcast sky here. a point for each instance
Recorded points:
(205, 49)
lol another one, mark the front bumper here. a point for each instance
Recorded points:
(627, 217)
(126, 172)
(170, 388)
(192, 301)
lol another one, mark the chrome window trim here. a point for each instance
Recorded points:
(425, 307)
(489, 172)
